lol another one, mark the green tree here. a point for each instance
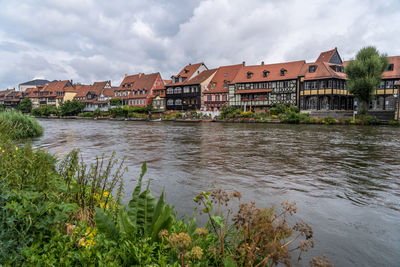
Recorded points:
(25, 105)
(71, 108)
(115, 102)
(365, 73)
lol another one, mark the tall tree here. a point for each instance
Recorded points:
(25, 105)
(365, 74)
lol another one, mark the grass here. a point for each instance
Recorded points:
(19, 126)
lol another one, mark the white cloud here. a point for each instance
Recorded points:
(90, 40)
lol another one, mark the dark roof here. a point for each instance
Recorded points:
(36, 82)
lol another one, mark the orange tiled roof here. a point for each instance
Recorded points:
(323, 71)
(199, 78)
(274, 72)
(224, 73)
(59, 86)
(326, 56)
(82, 90)
(186, 72)
(137, 82)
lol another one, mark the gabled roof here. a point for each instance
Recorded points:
(199, 78)
(137, 82)
(186, 72)
(36, 82)
(292, 70)
(394, 74)
(59, 86)
(326, 56)
(323, 70)
(224, 73)
(82, 90)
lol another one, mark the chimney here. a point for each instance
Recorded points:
(140, 75)
(126, 75)
(244, 63)
(262, 63)
(72, 82)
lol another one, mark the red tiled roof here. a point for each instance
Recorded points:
(108, 92)
(137, 82)
(187, 72)
(292, 72)
(82, 90)
(166, 82)
(59, 86)
(326, 56)
(224, 73)
(394, 74)
(199, 78)
(323, 71)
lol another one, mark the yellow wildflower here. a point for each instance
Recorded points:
(3, 151)
(106, 193)
(201, 231)
(196, 253)
(15, 156)
(16, 148)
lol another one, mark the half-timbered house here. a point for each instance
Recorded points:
(216, 94)
(137, 90)
(261, 86)
(323, 84)
(180, 95)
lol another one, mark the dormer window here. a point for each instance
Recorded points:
(283, 72)
(265, 73)
(312, 68)
(186, 70)
(212, 86)
(391, 67)
(173, 80)
(249, 74)
(180, 79)
(225, 84)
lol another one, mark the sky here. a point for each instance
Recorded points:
(87, 40)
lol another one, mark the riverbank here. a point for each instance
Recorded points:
(311, 121)
(71, 213)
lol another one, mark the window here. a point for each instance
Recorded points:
(312, 69)
(330, 84)
(193, 89)
(265, 73)
(209, 98)
(223, 97)
(178, 90)
(170, 102)
(382, 84)
(178, 102)
(283, 72)
(180, 79)
(186, 89)
(173, 80)
(391, 67)
(389, 84)
(225, 74)
(249, 74)
(217, 98)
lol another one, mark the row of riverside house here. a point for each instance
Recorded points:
(320, 85)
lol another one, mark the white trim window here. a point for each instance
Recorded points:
(170, 102)
(178, 102)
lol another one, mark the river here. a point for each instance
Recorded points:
(344, 179)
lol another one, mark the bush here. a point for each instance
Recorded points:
(71, 108)
(86, 114)
(394, 123)
(328, 121)
(45, 111)
(229, 112)
(18, 125)
(25, 105)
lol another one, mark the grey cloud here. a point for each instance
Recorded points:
(88, 40)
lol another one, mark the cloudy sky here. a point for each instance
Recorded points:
(88, 40)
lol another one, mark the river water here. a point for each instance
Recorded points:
(344, 179)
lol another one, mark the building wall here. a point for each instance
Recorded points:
(283, 92)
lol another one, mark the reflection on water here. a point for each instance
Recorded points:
(344, 179)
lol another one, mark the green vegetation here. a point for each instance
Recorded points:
(71, 214)
(394, 123)
(115, 102)
(25, 105)
(365, 73)
(71, 108)
(45, 111)
(19, 126)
